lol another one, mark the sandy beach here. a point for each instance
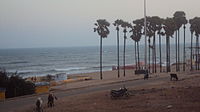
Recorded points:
(112, 77)
(161, 95)
(165, 96)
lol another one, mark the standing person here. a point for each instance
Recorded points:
(51, 98)
(39, 105)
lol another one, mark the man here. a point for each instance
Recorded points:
(39, 105)
(51, 98)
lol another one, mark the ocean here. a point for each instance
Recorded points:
(28, 62)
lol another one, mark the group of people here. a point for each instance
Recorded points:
(50, 103)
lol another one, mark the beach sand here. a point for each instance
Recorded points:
(108, 76)
(112, 77)
(168, 96)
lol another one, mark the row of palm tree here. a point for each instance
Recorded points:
(195, 30)
(180, 20)
(156, 26)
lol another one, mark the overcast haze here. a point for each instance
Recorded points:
(64, 23)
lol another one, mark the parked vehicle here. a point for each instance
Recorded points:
(122, 92)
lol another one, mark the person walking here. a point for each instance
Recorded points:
(51, 98)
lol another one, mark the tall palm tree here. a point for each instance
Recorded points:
(195, 28)
(155, 26)
(191, 40)
(125, 25)
(103, 31)
(160, 33)
(117, 23)
(169, 27)
(133, 37)
(136, 36)
(180, 19)
(150, 34)
(184, 27)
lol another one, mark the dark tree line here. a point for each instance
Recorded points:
(157, 29)
(15, 85)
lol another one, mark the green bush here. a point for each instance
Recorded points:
(15, 85)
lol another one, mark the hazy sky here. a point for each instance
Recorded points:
(60, 23)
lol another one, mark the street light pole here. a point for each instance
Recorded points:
(145, 33)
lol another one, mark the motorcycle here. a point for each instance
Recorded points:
(122, 92)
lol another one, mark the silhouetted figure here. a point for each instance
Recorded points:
(146, 75)
(35, 79)
(39, 105)
(51, 98)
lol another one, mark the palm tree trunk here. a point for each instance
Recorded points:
(149, 57)
(184, 50)
(196, 52)
(136, 63)
(124, 54)
(138, 54)
(167, 53)
(169, 56)
(155, 53)
(152, 57)
(101, 58)
(191, 52)
(176, 52)
(160, 53)
(118, 53)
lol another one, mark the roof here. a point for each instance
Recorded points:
(41, 83)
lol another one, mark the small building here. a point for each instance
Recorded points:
(2, 93)
(42, 87)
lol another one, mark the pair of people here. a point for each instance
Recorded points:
(50, 103)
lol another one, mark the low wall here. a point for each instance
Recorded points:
(41, 89)
(2, 95)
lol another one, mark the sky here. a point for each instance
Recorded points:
(69, 23)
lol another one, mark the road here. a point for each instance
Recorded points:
(11, 104)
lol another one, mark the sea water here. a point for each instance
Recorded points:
(29, 62)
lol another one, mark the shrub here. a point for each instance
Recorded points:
(15, 85)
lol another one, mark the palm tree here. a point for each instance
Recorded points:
(136, 36)
(184, 27)
(133, 37)
(160, 33)
(117, 23)
(180, 19)
(150, 34)
(191, 50)
(195, 28)
(125, 25)
(155, 26)
(103, 31)
(169, 26)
